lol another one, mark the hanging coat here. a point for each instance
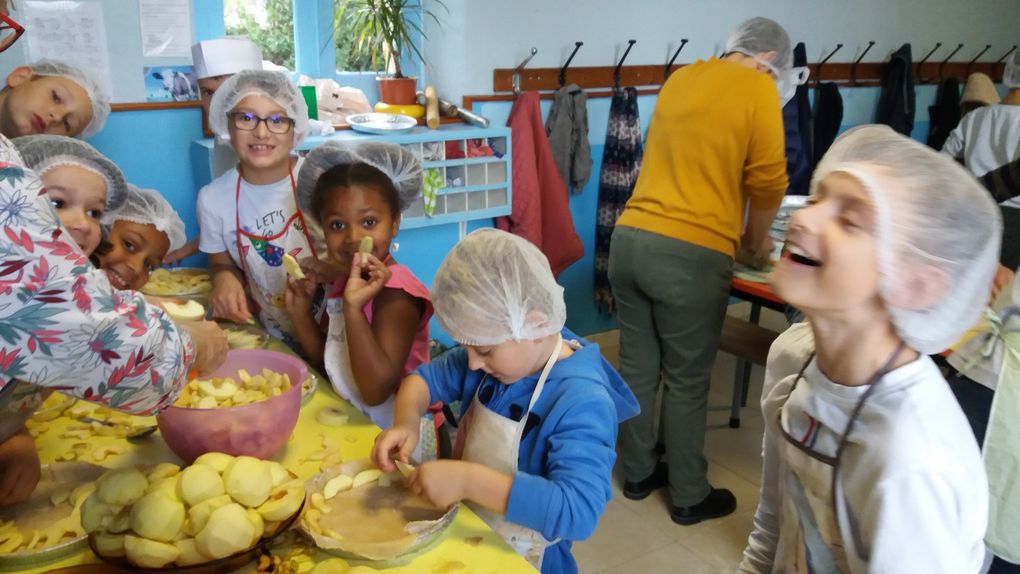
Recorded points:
(567, 126)
(828, 117)
(945, 114)
(804, 124)
(540, 209)
(798, 168)
(897, 100)
(621, 162)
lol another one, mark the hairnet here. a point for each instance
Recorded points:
(273, 85)
(930, 212)
(43, 152)
(495, 287)
(759, 36)
(1011, 73)
(97, 95)
(149, 207)
(400, 165)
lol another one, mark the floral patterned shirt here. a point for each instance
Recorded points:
(62, 326)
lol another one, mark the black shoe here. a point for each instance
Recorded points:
(718, 503)
(641, 489)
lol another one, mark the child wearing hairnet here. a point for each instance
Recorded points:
(249, 217)
(378, 311)
(536, 445)
(82, 183)
(141, 232)
(868, 462)
(52, 97)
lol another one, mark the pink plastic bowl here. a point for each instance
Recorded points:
(259, 429)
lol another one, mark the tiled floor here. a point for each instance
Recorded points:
(638, 537)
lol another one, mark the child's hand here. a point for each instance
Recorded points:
(19, 468)
(297, 300)
(321, 272)
(360, 291)
(395, 443)
(441, 482)
(1003, 276)
(228, 299)
(174, 257)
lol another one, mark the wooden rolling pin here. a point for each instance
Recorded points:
(450, 110)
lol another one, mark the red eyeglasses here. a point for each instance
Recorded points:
(10, 31)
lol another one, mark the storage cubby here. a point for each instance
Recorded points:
(467, 167)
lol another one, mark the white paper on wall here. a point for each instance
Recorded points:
(166, 28)
(70, 30)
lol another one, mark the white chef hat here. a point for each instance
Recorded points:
(225, 56)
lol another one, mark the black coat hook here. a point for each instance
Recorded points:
(669, 64)
(563, 70)
(516, 78)
(1006, 55)
(853, 68)
(975, 58)
(917, 71)
(818, 68)
(616, 72)
(949, 57)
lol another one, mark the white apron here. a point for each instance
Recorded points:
(1001, 452)
(494, 441)
(261, 260)
(337, 359)
(812, 519)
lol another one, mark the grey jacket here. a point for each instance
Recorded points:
(567, 128)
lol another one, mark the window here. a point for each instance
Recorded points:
(268, 23)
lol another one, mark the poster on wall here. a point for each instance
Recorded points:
(170, 84)
(166, 28)
(73, 32)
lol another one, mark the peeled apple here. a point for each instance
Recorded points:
(366, 476)
(199, 514)
(278, 472)
(189, 311)
(188, 553)
(336, 485)
(121, 487)
(228, 532)
(218, 461)
(257, 523)
(94, 513)
(111, 545)
(283, 502)
(414, 110)
(149, 553)
(331, 566)
(198, 483)
(292, 267)
(157, 517)
(248, 480)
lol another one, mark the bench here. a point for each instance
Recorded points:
(749, 343)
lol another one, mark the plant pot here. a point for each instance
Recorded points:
(398, 91)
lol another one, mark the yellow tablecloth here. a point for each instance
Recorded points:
(468, 546)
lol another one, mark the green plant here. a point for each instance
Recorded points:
(274, 34)
(382, 31)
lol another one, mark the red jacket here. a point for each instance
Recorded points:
(541, 207)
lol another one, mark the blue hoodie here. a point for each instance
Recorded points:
(568, 450)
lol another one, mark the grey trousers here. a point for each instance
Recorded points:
(671, 299)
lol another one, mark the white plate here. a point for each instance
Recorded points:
(375, 123)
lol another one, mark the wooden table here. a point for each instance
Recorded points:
(469, 545)
(759, 295)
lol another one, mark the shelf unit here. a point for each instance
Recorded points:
(471, 187)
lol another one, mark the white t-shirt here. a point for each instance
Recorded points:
(264, 210)
(913, 478)
(987, 138)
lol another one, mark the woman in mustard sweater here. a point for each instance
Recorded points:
(714, 153)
